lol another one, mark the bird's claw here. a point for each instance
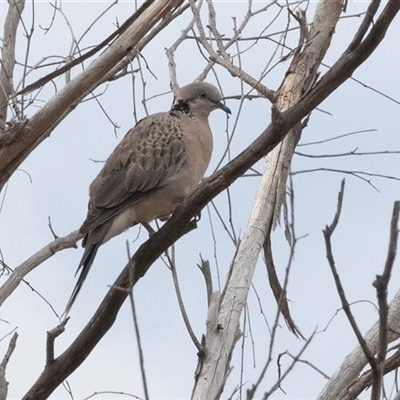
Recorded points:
(196, 218)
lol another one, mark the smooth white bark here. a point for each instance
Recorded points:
(224, 318)
(354, 362)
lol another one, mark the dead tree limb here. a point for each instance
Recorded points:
(35, 260)
(298, 80)
(3, 365)
(346, 383)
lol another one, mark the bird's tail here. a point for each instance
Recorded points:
(85, 264)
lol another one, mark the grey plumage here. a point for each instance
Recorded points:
(152, 170)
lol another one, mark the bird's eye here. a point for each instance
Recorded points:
(203, 95)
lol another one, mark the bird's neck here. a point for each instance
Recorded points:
(181, 106)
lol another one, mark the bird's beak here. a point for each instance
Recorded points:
(223, 107)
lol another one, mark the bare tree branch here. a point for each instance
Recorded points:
(15, 9)
(3, 365)
(172, 265)
(277, 290)
(76, 61)
(328, 232)
(136, 326)
(51, 337)
(345, 383)
(222, 57)
(35, 260)
(381, 284)
(365, 380)
(282, 377)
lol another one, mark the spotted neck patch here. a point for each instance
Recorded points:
(181, 106)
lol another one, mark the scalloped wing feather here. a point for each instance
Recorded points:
(148, 157)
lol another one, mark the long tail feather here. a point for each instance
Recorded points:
(85, 264)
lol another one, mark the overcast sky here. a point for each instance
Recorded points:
(53, 182)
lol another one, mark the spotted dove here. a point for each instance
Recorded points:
(152, 170)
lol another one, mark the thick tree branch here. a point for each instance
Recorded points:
(365, 380)
(299, 79)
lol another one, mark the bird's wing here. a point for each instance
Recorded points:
(147, 158)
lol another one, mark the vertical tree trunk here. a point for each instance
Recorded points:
(15, 9)
(224, 314)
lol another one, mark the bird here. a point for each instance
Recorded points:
(158, 163)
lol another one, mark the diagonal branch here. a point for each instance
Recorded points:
(328, 232)
(36, 259)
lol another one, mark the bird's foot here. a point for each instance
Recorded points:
(193, 222)
(196, 218)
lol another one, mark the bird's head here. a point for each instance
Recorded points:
(201, 98)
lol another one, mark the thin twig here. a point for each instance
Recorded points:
(181, 304)
(42, 81)
(337, 137)
(136, 325)
(300, 360)
(19, 273)
(357, 174)
(349, 153)
(113, 393)
(328, 232)
(281, 378)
